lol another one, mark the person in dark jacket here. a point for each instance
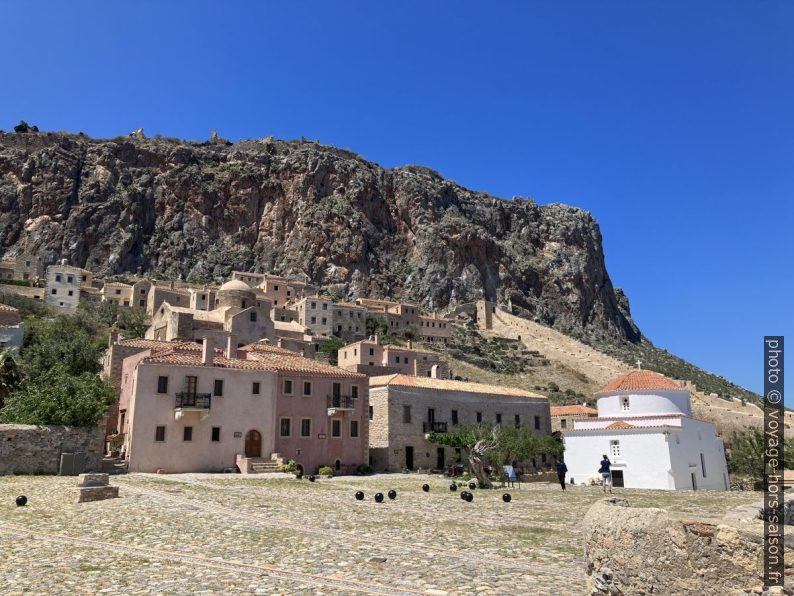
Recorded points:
(606, 474)
(562, 470)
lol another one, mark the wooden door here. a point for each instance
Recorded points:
(409, 458)
(253, 444)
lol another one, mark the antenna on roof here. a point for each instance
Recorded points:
(639, 364)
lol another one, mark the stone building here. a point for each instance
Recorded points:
(349, 321)
(199, 409)
(120, 293)
(403, 409)
(12, 329)
(165, 293)
(24, 266)
(316, 314)
(562, 417)
(63, 284)
(645, 427)
(373, 358)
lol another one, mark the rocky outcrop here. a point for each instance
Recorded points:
(199, 210)
(649, 551)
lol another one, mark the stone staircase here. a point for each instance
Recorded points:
(260, 465)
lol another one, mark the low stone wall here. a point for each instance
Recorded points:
(649, 551)
(26, 449)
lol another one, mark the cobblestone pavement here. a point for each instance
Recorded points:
(203, 533)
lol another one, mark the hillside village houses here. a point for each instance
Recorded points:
(12, 329)
(562, 417)
(645, 426)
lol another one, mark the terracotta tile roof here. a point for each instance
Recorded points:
(393, 348)
(640, 379)
(268, 348)
(148, 344)
(448, 385)
(295, 363)
(577, 410)
(6, 308)
(620, 424)
(193, 358)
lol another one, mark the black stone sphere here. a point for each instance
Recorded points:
(472, 485)
(469, 497)
(392, 494)
(21, 500)
(507, 498)
(463, 495)
(359, 496)
(426, 488)
(379, 497)
(453, 487)
(312, 478)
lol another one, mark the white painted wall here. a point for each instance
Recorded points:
(645, 403)
(695, 438)
(644, 457)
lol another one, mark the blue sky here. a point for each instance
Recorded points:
(670, 121)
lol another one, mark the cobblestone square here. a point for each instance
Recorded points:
(202, 533)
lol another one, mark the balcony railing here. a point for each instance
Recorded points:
(434, 427)
(200, 401)
(341, 402)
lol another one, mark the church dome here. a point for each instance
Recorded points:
(639, 380)
(235, 284)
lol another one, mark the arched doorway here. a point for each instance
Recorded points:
(253, 444)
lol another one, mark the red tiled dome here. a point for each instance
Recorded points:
(640, 379)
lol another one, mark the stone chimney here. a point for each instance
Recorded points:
(280, 343)
(410, 344)
(114, 337)
(231, 346)
(377, 339)
(207, 350)
(171, 285)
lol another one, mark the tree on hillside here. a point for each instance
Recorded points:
(59, 398)
(746, 455)
(70, 342)
(495, 446)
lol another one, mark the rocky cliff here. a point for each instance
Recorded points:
(198, 210)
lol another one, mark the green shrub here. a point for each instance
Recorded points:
(16, 282)
(326, 471)
(363, 469)
(290, 466)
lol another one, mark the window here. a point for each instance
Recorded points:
(284, 427)
(218, 388)
(159, 434)
(479, 416)
(252, 316)
(314, 320)
(306, 427)
(614, 448)
(325, 321)
(287, 386)
(187, 433)
(307, 388)
(353, 429)
(162, 384)
(563, 423)
(537, 422)
(216, 434)
(624, 402)
(255, 388)
(71, 292)
(336, 428)
(454, 417)
(517, 420)
(143, 291)
(57, 278)
(354, 391)
(53, 291)
(371, 412)
(275, 288)
(407, 414)
(499, 419)
(325, 306)
(69, 279)
(141, 302)
(118, 292)
(703, 464)
(314, 305)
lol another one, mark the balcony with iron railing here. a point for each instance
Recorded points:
(341, 402)
(193, 401)
(434, 427)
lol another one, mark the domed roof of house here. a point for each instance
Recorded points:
(235, 284)
(640, 379)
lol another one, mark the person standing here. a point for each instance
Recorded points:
(606, 474)
(562, 470)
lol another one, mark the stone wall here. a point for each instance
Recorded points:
(650, 551)
(27, 449)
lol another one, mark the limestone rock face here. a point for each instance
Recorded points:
(648, 551)
(199, 210)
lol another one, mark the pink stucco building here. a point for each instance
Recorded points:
(198, 408)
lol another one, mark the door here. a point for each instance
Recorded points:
(409, 458)
(440, 459)
(431, 416)
(617, 478)
(190, 385)
(694, 482)
(253, 444)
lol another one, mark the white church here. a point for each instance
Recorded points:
(645, 427)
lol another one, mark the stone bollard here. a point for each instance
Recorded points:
(95, 487)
